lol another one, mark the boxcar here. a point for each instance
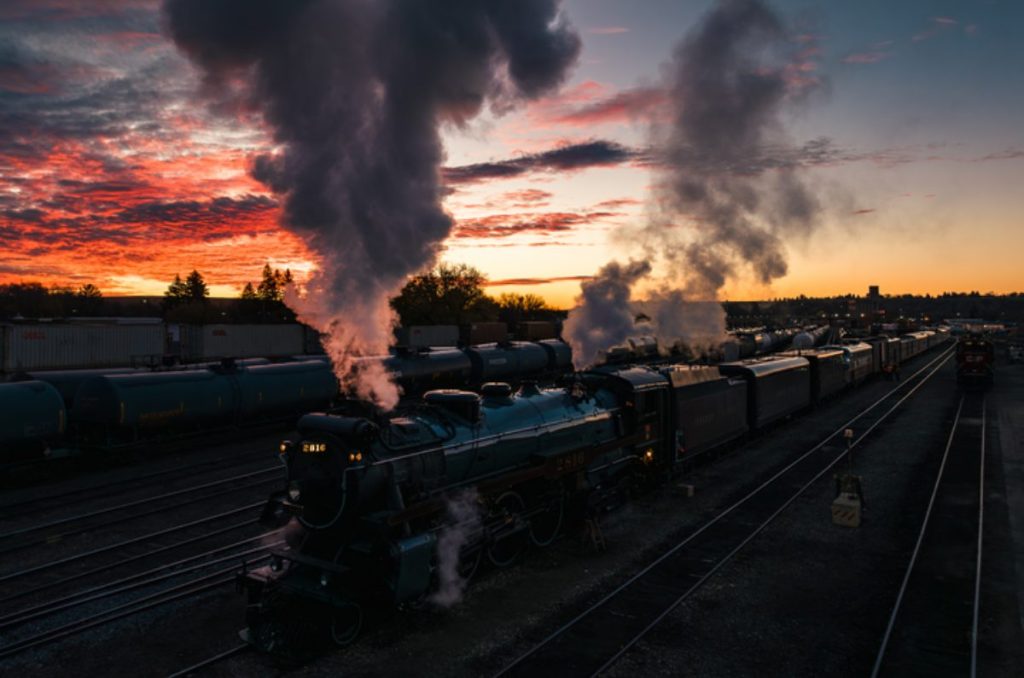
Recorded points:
(829, 371)
(776, 387)
(862, 358)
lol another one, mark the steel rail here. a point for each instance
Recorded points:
(977, 564)
(127, 542)
(215, 659)
(876, 669)
(132, 504)
(53, 538)
(134, 481)
(179, 592)
(939, 360)
(27, 615)
(28, 591)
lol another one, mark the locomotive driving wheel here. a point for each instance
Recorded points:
(346, 623)
(469, 561)
(546, 517)
(508, 531)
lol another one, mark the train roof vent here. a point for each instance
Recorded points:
(496, 390)
(464, 404)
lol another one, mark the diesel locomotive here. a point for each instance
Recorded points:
(386, 511)
(975, 360)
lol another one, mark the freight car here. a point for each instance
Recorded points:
(127, 407)
(776, 387)
(420, 371)
(830, 371)
(392, 509)
(34, 418)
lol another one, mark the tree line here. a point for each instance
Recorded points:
(449, 294)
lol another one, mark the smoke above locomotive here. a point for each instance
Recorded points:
(354, 93)
(727, 190)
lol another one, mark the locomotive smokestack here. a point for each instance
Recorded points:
(354, 93)
(728, 186)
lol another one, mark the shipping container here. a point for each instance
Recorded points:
(425, 336)
(484, 333)
(49, 346)
(536, 330)
(206, 342)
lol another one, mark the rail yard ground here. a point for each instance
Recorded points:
(804, 598)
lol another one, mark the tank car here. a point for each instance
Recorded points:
(34, 417)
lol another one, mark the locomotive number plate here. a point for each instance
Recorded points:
(314, 448)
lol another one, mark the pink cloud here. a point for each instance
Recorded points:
(620, 107)
(865, 57)
(862, 211)
(938, 25)
(608, 30)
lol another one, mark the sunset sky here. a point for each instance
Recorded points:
(116, 170)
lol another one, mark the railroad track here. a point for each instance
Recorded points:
(52, 531)
(118, 599)
(596, 638)
(58, 597)
(158, 478)
(933, 626)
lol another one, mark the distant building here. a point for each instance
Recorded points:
(873, 292)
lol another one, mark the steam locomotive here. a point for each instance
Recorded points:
(392, 510)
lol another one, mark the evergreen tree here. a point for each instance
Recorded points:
(175, 294)
(195, 287)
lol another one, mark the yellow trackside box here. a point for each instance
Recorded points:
(846, 510)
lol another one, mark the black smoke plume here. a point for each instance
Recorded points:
(716, 211)
(355, 93)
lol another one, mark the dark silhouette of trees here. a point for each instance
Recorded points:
(516, 308)
(265, 301)
(196, 289)
(450, 294)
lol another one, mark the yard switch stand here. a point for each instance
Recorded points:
(849, 501)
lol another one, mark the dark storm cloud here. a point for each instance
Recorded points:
(505, 225)
(31, 214)
(597, 153)
(217, 211)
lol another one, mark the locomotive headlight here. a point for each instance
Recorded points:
(294, 491)
(325, 579)
(285, 447)
(649, 455)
